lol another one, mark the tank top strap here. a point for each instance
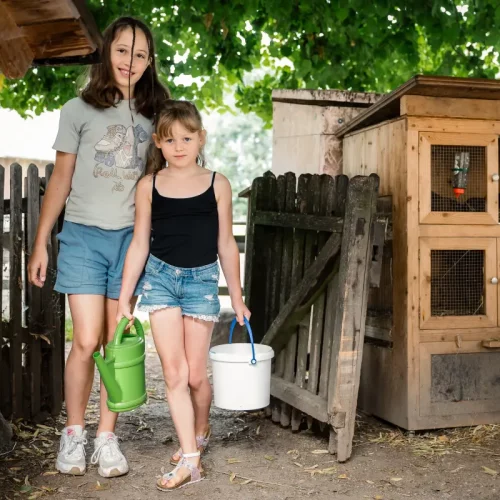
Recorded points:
(154, 182)
(213, 180)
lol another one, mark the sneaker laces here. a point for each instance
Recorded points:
(73, 443)
(111, 442)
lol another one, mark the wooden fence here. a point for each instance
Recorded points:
(313, 248)
(32, 326)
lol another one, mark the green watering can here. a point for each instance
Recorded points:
(123, 371)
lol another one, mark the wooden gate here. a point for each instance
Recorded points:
(32, 326)
(313, 248)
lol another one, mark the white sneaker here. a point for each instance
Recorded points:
(71, 456)
(107, 452)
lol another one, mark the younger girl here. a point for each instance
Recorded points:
(101, 150)
(183, 223)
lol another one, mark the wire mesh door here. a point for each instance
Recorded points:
(457, 178)
(458, 282)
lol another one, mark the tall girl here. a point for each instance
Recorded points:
(100, 156)
(183, 225)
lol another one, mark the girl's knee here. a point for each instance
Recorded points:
(85, 347)
(197, 380)
(176, 377)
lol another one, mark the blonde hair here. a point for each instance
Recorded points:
(173, 111)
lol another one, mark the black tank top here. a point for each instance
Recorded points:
(184, 230)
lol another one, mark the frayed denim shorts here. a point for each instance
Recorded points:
(194, 290)
(91, 259)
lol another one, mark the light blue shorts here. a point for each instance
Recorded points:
(194, 290)
(91, 260)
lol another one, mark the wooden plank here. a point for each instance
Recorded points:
(255, 275)
(326, 206)
(277, 291)
(15, 287)
(33, 292)
(290, 351)
(439, 86)
(26, 12)
(315, 279)
(453, 125)
(16, 55)
(301, 399)
(310, 222)
(50, 323)
(341, 185)
(2, 285)
(351, 309)
(447, 107)
(5, 350)
(268, 240)
(302, 331)
(64, 38)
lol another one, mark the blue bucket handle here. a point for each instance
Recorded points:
(249, 330)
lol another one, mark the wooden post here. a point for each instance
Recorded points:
(287, 273)
(275, 274)
(326, 197)
(298, 269)
(5, 351)
(15, 287)
(50, 314)
(341, 184)
(351, 312)
(33, 292)
(255, 275)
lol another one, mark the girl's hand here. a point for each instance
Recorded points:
(241, 310)
(124, 311)
(37, 266)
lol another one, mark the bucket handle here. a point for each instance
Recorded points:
(253, 361)
(120, 330)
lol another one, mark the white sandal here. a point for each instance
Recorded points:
(201, 444)
(197, 473)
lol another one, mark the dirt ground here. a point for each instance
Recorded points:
(250, 457)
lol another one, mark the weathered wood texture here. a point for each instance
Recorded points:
(40, 31)
(352, 299)
(32, 326)
(308, 291)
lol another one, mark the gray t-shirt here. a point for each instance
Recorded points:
(110, 153)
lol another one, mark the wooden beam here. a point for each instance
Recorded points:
(299, 398)
(28, 12)
(63, 38)
(16, 55)
(447, 107)
(300, 221)
(315, 277)
(349, 330)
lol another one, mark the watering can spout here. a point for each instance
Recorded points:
(107, 376)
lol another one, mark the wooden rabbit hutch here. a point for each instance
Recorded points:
(432, 351)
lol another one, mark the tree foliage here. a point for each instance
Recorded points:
(346, 44)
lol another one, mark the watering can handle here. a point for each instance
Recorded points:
(249, 330)
(120, 330)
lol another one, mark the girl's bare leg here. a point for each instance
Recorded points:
(167, 326)
(87, 312)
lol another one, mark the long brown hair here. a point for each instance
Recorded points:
(188, 116)
(101, 91)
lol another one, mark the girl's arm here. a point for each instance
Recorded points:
(229, 255)
(53, 202)
(138, 250)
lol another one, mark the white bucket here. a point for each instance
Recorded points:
(241, 375)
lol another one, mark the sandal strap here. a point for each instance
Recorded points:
(191, 455)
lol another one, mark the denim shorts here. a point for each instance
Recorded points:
(194, 290)
(91, 260)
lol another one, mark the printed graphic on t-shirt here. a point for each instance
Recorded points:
(117, 154)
